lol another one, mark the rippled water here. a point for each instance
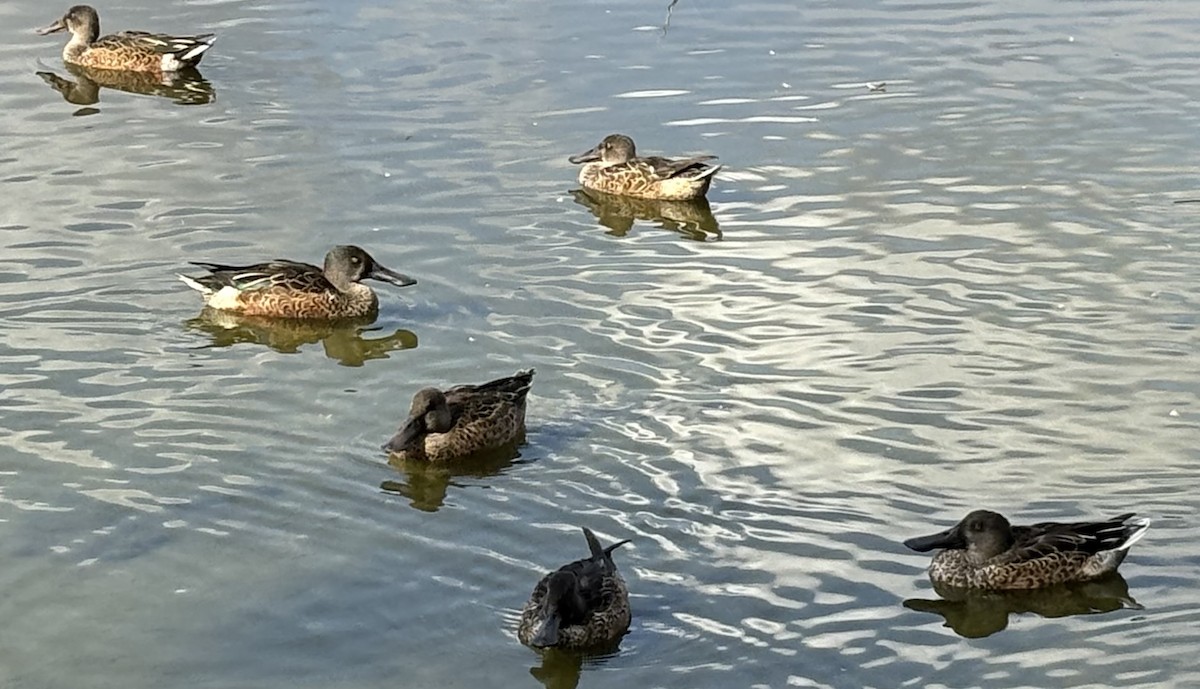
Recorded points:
(974, 286)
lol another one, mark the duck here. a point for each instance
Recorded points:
(613, 166)
(135, 51)
(443, 425)
(984, 551)
(289, 289)
(583, 604)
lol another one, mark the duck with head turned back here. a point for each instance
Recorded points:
(614, 167)
(135, 51)
(583, 604)
(984, 551)
(448, 424)
(289, 289)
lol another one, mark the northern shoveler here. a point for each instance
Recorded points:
(135, 51)
(983, 551)
(288, 289)
(463, 420)
(583, 604)
(613, 166)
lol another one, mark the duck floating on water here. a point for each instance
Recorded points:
(447, 424)
(984, 551)
(136, 51)
(289, 289)
(583, 604)
(613, 166)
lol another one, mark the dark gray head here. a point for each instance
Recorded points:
(563, 606)
(80, 20)
(613, 150)
(983, 534)
(345, 265)
(429, 413)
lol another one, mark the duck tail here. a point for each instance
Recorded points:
(614, 546)
(1134, 531)
(194, 52)
(195, 284)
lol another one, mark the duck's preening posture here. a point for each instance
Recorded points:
(129, 50)
(580, 605)
(613, 166)
(984, 551)
(463, 420)
(288, 289)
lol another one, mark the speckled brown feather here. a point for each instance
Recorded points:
(1043, 554)
(613, 166)
(484, 417)
(652, 178)
(290, 289)
(138, 51)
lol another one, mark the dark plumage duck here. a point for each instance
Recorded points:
(613, 166)
(289, 289)
(583, 604)
(446, 424)
(984, 551)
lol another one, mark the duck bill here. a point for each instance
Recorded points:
(406, 435)
(392, 277)
(589, 156)
(950, 538)
(57, 26)
(547, 633)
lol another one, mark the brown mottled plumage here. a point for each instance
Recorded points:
(463, 420)
(287, 289)
(984, 551)
(613, 166)
(136, 51)
(583, 604)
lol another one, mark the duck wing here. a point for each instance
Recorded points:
(260, 276)
(1046, 538)
(666, 168)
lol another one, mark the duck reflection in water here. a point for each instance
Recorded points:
(691, 219)
(560, 669)
(342, 339)
(975, 613)
(426, 484)
(185, 87)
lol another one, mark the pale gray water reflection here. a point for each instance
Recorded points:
(973, 289)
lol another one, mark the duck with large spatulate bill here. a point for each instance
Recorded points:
(136, 51)
(583, 604)
(614, 167)
(984, 551)
(443, 425)
(289, 289)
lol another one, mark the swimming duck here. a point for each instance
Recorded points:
(983, 551)
(582, 604)
(462, 420)
(136, 51)
(613, 166)
(288, 289)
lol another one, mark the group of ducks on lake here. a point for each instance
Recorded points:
(583, 604)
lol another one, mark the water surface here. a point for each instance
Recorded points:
(969, 287)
